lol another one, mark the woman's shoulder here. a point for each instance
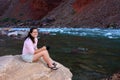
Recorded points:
(27, 40)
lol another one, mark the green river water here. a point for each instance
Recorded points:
(88, 58)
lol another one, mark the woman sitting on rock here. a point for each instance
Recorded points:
(31, 53)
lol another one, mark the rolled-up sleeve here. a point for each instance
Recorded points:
(29, 47)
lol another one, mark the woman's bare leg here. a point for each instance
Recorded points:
(45, 56)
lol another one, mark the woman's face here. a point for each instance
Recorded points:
(34, 33)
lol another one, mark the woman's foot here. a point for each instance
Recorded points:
(53, 67)
(54, 64)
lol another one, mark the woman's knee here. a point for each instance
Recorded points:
(43, 53)
(38, 54)
(46, 52)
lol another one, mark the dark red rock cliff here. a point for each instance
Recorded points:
(87, 13)
(27, 9)
(78, 5)
(71, 13)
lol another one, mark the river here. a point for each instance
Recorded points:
(90, 54)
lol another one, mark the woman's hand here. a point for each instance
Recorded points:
(40, 49)
(44, 47)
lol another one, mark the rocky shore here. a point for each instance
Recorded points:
(13, 33)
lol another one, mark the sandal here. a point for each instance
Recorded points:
(54, 64)
(53, 68)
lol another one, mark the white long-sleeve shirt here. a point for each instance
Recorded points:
(29, 47)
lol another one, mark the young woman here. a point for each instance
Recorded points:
(31, 53)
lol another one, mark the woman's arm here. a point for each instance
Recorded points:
(29, 47)
(40, 49)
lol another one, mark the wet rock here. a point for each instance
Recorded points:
(112, 26)
(79, 50)
(20, 34)
(13, 33)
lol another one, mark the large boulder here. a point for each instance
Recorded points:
(14, 68)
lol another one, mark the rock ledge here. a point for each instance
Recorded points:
(14, 68)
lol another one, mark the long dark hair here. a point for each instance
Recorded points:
(29, 35)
